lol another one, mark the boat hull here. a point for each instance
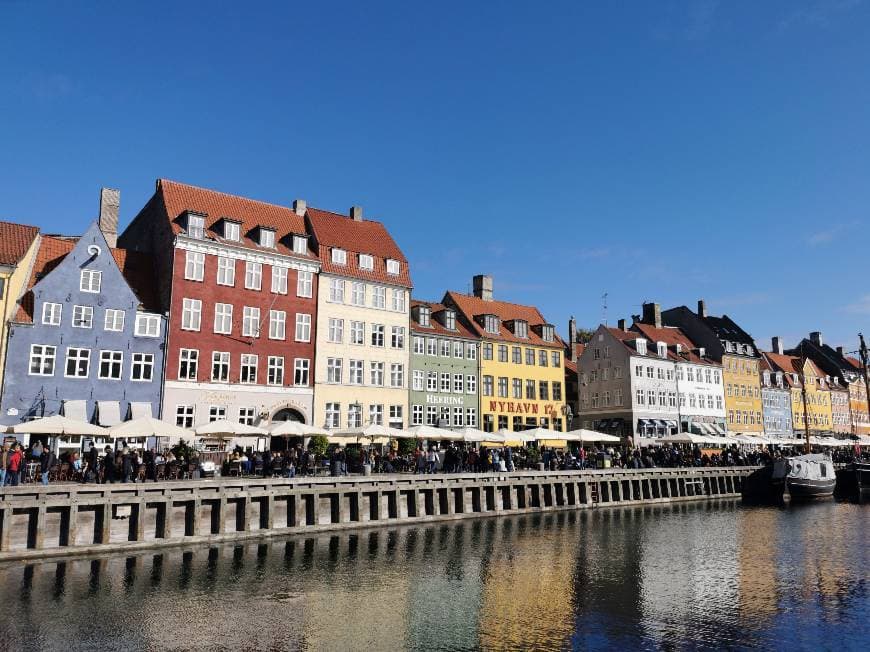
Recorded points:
(807, 489)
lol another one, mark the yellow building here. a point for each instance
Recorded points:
(742, 393)
(818, 400)
(18, 246)
(522, 371)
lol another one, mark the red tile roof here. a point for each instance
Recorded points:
(437, 327)
(473, 307)
(15, 240)
(332, 230)
(181, 197)
(790, 364)
(571, 365)
(672, 336)
(854, 362)
(136, 267)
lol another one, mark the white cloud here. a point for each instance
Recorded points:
(859, 307)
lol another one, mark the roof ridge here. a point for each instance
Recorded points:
(509, 303)
(345, 217)
(26, 226)
(226, 194)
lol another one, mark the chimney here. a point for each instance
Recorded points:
(652, 314)
(356, 213)
(840, 352)
(816, 338)
(482, 284)
(572, 334)
(110, 206)
(299, 207)
(702, 308)
(620, 324)
(776, 344)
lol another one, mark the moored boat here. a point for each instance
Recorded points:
(805, 477)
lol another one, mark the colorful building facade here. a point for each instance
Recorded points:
(799, 374)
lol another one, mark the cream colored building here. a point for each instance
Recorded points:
(361, 365)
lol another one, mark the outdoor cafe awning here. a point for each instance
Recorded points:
(77, 410)
(108, 413)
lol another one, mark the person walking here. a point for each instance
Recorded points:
(109, 465)
(4, 463)
(45, 464)
(16, 460)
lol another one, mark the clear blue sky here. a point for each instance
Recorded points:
(653, 150)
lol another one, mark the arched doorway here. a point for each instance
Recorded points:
(286, 414)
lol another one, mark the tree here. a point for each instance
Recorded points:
(318, 445)
(584, 335)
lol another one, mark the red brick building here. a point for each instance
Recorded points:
(239, 281)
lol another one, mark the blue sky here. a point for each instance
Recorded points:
(660, 151)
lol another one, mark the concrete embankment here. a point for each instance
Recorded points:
(39, 522)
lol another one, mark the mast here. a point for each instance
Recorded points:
(807, 447)
(862, 350)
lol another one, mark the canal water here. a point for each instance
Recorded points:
(713, 575)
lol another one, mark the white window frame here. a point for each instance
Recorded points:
(303, 327)
(247, 363)
(275, 370)
(335, 331)
(90, 281)
(379, 297)
(226, 271)
(267, 238)
(279, 279)
(366, 262)
(336, 290)
(278, 325)
(301, 372)
(232, 231)
(194, 266)
(304, 284)
(111, 358)
(52, 313)
(191, 314)
(358, 293)
(46, 357)
(223, 318)
(184, 415)
(190, 357)
(393, 267)
(250, 321)
(147, 325)
(78, 358)
(220, 361)
(358, 332)
(300, 244)
(141, 362)
(85, 319)
(112, 324)
(253, 275)
(338, 256)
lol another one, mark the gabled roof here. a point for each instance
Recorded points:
(250, 213)
(789, 365)
(437, 327)
(472, 307)
(15, 240)
(854, 362)
(136, 267)
(629, 340)
(671, 336)
(332, 230)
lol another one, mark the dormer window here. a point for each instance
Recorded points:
(548, 333)
(662, 349)
(491, 324)
(779, 379)
(339, 256)
(521, 328)
(640, 344)
(393, 266)
(678, 347)
(728, 347)
(300, 244)
(195, 226)
(795, 379)
(232, 231)
(450, 320)
(749, 350)
(702, 352)
(267, 238)
(366, 262)
(767, 379)
(423, 315)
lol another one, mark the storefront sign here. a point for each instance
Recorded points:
(443, 400)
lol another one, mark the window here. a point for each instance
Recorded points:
(303, 327)
(147, 325)
(471, 417)
(471, 384)
(355, 372)
(278, 323)
(304, 284)
(397, 300)
(191, 312)
(142, 366)
(188, 363)
(301, 372)
(267, 238)
(339, 256)
(333, 370)
(396, 416)
(354, 415)
(521, 328)
(617, 395)
(184, 416)
(366, 262)
(357, 332)
(226, 271)
(333, 414)
(253, 275)
(83, 316)
(431, 415)
(502, 387)
(638, 371)
(90, 280)
(42, 359)
(487, 386)
(397, 337)
(220, 366)
(300, 244)
(279, 279)
(114, 320)
(530, 357)
(530, 390)
(392, 266)
(502, 353)
(397, 375)
(416, 415)
(557, 391)
(336, 290)
(491, 324)
(458, 349)
(432, 381)
(78, 362)
(557, 358)
(247, 415)
(651, 398)
(660, 373)
(51, 313)
(378, 334)
(458, 383)
(445, 348)
(195, 226)
(487, 351)
(248, 369)
(547, 333)
(650, 372)
(639, 397)
(419, 345)
(423, 316)
(194, 266)
(231, 231)
(111, 363)
(417, 380)
(517, 387)
(223, 318)
(250, 322)
(275, 370)
(379, 297)
(217, 413)
(445, 382)
(376, 414)
(543, 390)
(335, 332)
(357, 293)
(457, 416)
(542, 358)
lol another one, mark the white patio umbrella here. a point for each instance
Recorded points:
(683, 438)
(371, 431)
(225, 428)
(431, 433)
(295, 429)
(59, 425)
(521, 436)
(148, 427)
(544, 433)
(589, 436)
(473, 435)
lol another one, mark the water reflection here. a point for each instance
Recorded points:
(704, 575)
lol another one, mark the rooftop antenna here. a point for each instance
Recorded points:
(604, 308)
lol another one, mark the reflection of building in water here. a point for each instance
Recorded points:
(757, 542)
(528, 593)
(824, 566)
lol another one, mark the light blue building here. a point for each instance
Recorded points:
(84, 343)
(776, 398)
